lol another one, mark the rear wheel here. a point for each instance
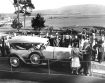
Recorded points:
(14, 61)
(35, 58)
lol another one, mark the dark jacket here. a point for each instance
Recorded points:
(87, 55)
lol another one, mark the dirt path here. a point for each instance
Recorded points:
(15, 81)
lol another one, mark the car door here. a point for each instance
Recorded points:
(20, 51)
(48, 52)
(62, 53)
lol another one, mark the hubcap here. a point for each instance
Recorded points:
(14, 61)
(34, 59)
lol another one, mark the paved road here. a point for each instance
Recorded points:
(55, 68)
(62, 71)
(15, 81)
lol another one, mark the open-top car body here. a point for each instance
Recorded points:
(31, 49)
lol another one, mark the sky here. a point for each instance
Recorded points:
(6, 6)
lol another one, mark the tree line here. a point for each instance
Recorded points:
(37, 23)
(22, 6)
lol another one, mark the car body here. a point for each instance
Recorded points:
(29, 49)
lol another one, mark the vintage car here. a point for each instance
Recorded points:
(31, 49)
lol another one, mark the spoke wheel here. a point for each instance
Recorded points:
(14, 61)
(35, 59)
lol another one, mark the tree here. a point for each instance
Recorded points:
(16, 25)
(38, 22)
(22, 6)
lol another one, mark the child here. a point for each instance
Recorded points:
(75, 61)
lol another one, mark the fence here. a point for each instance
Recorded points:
(52, 67)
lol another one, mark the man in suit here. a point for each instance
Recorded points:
(100, 53)
(86, 59)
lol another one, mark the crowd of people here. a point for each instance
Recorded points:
(86, 47)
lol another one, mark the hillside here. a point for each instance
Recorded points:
(76, 15)
(76, 10)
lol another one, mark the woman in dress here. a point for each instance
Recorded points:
(75, 61)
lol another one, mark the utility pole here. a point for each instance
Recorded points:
(24, 14)
(24, 18)
(18, 14)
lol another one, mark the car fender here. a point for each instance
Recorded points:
(20, 57)
(37, 52)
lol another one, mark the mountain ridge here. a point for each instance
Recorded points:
(86, 9)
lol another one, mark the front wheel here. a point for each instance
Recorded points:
(35, 58)
(14, 61)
